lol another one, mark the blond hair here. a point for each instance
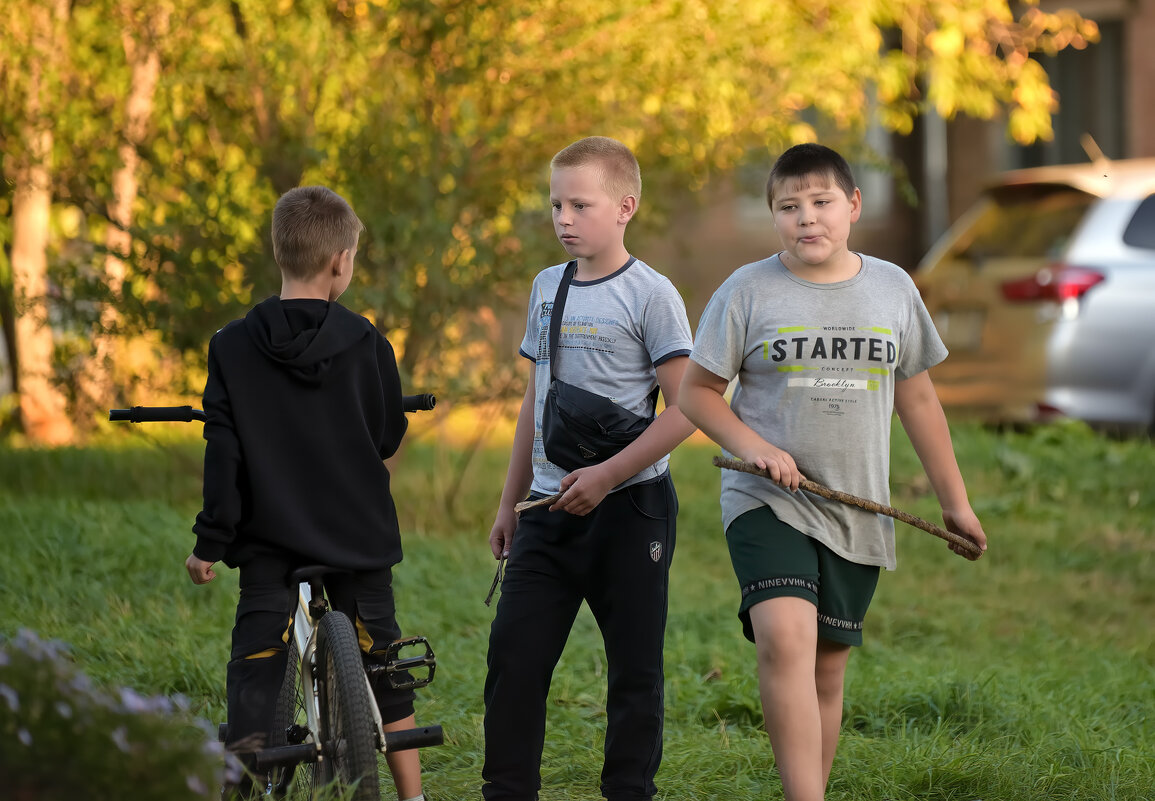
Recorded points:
(311, 224)
(620, 174)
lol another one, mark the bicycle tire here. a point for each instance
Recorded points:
(289, 712)
(348, 731)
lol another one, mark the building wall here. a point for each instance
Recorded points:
(1140, 63)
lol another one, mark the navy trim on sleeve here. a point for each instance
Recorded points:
(672, 354)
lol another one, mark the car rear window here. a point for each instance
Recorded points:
(1140, 231)
(1028, 221)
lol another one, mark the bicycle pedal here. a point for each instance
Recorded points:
(399, 669)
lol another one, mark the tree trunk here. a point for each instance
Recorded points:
(43, 409)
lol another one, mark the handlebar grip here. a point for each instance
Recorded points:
(418, 403)
(407, 739)
(156, 414)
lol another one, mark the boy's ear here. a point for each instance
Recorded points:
(335, 262)
(626, 209)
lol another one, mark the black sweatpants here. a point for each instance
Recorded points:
(264, 625)
(617, 559)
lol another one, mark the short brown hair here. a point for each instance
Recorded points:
(621, 175)
(810, 159)
(310, 225)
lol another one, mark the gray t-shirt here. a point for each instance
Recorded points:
(816, 366)
(614, 333)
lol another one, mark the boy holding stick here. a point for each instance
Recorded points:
(825, 343)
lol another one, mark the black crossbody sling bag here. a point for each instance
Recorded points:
(580, 428)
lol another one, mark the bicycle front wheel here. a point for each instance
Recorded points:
(348, 732)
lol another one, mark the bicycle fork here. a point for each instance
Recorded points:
(398, 670)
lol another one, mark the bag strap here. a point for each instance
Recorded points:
(555, 327)
(555, 315)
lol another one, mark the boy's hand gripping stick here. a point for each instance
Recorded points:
(815, 488)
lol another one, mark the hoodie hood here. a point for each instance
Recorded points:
(304, 335)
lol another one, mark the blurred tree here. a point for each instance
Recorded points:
(143, 26)
(36, 44)
(446, 149)
(437, 119)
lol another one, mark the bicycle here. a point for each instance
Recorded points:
(326, 725)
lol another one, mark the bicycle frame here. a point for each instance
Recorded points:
(305, 633)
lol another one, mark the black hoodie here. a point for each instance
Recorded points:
(303, 402)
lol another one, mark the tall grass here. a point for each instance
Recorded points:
(1027, 675)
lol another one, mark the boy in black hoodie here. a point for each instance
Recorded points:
(303, 404)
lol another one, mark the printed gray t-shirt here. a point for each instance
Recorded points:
(614, 333)
(816, 366)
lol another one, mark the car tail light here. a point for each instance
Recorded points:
(1046, 413)
(1057, 283)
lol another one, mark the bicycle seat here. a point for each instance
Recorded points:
(310, 572)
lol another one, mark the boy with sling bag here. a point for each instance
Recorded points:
(609, 538)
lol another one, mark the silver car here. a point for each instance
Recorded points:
(1044, 292)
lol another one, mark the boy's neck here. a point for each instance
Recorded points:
(841, 268)
(607, 263)
(292, 289)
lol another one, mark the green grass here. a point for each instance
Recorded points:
(1027, 675)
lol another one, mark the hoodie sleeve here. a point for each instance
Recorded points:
(216, 523)
(395, 420)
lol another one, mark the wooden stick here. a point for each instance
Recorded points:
(815, 488)
(547, 501)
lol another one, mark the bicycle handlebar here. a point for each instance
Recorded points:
(156, 414)
(403, 740)
(406, 739)
(418, 403)
(184, 414)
